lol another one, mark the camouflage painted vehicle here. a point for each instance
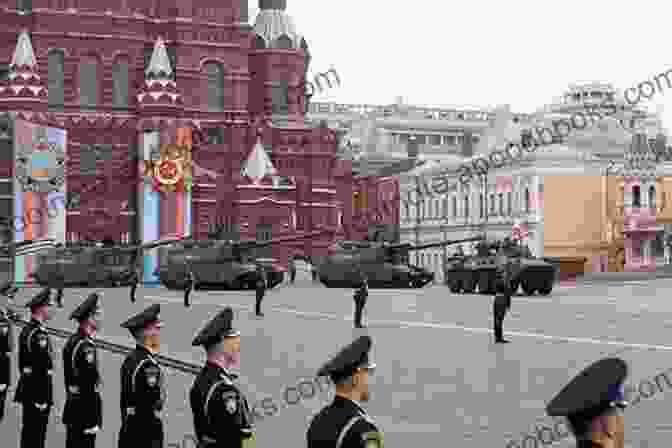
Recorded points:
(385, 265)
(223, 264)
(477, 273)
(84, 265)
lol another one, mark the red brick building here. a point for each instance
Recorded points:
(108, 72)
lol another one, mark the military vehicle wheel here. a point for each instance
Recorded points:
(546, 290)
(469, 287)
(455, 287)
(528, 289)
(483, 286)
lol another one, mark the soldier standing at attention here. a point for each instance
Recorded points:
(83, 413)
(360, 296)
(593, 405)
(6, 348)
(191, 280)
(143, 392)
(502, 301)
(35, 390)
(260, 288)
(292, 269)
(135, 275)
(344, 423)
(222, 416)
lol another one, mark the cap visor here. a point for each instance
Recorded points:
(232, 334)
(369, 365)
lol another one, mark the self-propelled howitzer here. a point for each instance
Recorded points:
(384, 265)
(81, 265)
(224, 264)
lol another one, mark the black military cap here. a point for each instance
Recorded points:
(87, 308)
(218, 328)
(596, 389)
(42, 298)
(148, 318)
(348, 360)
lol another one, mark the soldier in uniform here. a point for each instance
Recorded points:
(191, 281)
(222, 417)
(360, 296)
(35, 388)
(502, 301)
(83, 413)
(6, 346)
(260, 289)
(292, 269)
(593, 405)
(344, 423)
(143, 392)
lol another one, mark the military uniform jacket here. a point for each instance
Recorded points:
(143, 391)
(222, 416)
(6, 347)
(343, 424)
(362, 292)
(36, 366)
(83, 406)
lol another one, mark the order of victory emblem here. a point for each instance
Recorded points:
(40, 166)
(172, 171)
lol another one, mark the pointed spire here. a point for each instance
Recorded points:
(159, 65)
(258, 164)
(24, 56)
(23, 81)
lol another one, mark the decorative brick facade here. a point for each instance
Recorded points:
(232, 83)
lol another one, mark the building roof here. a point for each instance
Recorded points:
(23, 53)
(273, 22)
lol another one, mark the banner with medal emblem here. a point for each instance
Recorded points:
(40, 154)
(165, 193)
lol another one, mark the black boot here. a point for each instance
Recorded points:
(257, 308)
(134, 286)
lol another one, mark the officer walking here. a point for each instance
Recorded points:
(35, 388)
(83, 413)
(260, 289)
(502, 301)
(143, 391)
(360, 296)
(344, 423)
(222, 416)
(135, 275)
(593, 404)
(6, 348)
(292, 269)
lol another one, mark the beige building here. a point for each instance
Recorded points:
(561, 192)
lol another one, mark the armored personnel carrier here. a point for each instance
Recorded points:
(478, 272)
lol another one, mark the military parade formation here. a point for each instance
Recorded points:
(221, 412)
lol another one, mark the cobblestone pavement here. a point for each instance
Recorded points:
(440, 379)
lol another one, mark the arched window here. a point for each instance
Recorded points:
(652, 197)
(215, 75)
(636, 197)
(466, 206)
(445, 208)
(88, 82)
(120, 83)
(56, 80)
(454, 207)
(284, 42)
(24, 5)
(280, 97)
(481, 205)
(527, 200)
(509, 203)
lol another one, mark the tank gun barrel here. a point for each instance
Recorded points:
(253, 243)
(409, 246)
(146, 246)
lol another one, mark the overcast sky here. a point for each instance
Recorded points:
(483, 53)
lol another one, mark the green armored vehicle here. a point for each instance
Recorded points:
(478, 272)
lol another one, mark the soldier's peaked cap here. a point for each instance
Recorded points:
(221, 326)
(148, 317)
(87, 308)
(41, 298)
(349, 359)
(593, 391)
